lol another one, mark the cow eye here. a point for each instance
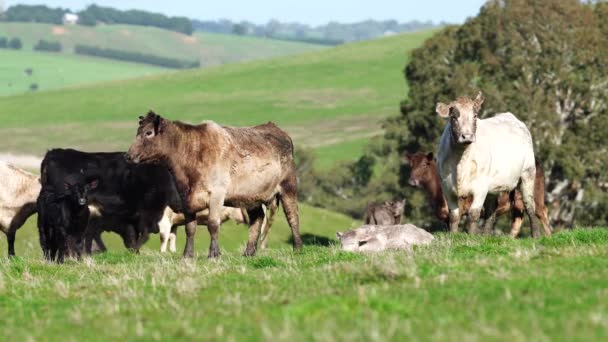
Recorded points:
(149, 133)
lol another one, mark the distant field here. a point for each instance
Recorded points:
(50, 71)
(332, 98)
(461, 288)
(209, 49)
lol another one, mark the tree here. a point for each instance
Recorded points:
(15, 43)
(3, 43)
(239, 29)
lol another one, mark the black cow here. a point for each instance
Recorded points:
(126, 196)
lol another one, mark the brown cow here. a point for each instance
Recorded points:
(387, 213)
(217, 165)
(424, 175)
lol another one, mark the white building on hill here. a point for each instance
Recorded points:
(70, 19)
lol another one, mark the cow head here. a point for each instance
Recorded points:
(462, 114)
(147, 146)
(78, 191)
(421, 167)
(396, 207)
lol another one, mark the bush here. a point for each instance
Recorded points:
(44, 45)
(3, 43)
(33, 86)
(135, 57)
(35, 13)
(15, 44)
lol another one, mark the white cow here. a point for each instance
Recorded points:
(477, 157)
(19, 191)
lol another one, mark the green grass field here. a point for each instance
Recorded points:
(334, 98)
(51, 71)
(209, 49)
(461, 287)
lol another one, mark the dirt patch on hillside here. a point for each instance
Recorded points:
(189, 40)
(59, 31)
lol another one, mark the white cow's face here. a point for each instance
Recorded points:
(462, 114)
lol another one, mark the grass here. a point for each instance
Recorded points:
(51, 71)
(330, 97)
(459, 288)
(209, 49)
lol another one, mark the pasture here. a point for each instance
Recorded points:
(340, 94)
(51, 71)
(210, 49)
(460, 287)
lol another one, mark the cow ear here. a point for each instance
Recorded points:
(478, 102)
(158, 124)
(94, 183)
(442, 109)
(429, 156)
(406, 157)
(66, 186)
(339, 235)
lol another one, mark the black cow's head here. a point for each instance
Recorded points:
(463, 117)
(77, 189)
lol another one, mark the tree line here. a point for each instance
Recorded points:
(330, 34)
(136, 57)
(546, 61)
(93, 14)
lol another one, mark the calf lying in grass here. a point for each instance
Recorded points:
(375, 238)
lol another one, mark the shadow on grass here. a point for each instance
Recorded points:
(309, 239)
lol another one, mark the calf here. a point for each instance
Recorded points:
(19, 191)
(476, 157)
(375, 238)
(217, 165)
(128, 195)
(424, 175)
(387, 213)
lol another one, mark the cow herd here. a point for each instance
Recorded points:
(180, 174)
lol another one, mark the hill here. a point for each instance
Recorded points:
(50, 71)
(209, 49)
(326, 99)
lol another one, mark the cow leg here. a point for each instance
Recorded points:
(543, 216)
(164, 231)
(265, 229)
(10, 238)
(489, 215)
(289, 200)
(216, 203)
(475, 211)
(517, 218)
(454, 216)
(190, 219)
(256, 219)
(100, 245)
(172, 239)
(527, 192)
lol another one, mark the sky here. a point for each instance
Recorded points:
(312, 12)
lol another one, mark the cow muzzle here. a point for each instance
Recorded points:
(466, 138)
(82, 201)
(414, 182)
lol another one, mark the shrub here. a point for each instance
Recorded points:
(49, 46)
(15, 44)
(135, 57)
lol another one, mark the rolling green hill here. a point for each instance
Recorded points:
(331, 99)
(209, 49)
(50, 71)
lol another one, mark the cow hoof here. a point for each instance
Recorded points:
(214, 253)
(249, 252)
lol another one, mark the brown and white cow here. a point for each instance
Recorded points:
(424, 175)
(217, 165)
(479, 157)
(19, 191)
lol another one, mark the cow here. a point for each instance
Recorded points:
(124, 194)
(63, 215)
(19, 191)
(479, 157)
(387, 213)
(217, 165)
(424, 175)
(376, 238)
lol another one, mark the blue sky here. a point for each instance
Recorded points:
(314, 12)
